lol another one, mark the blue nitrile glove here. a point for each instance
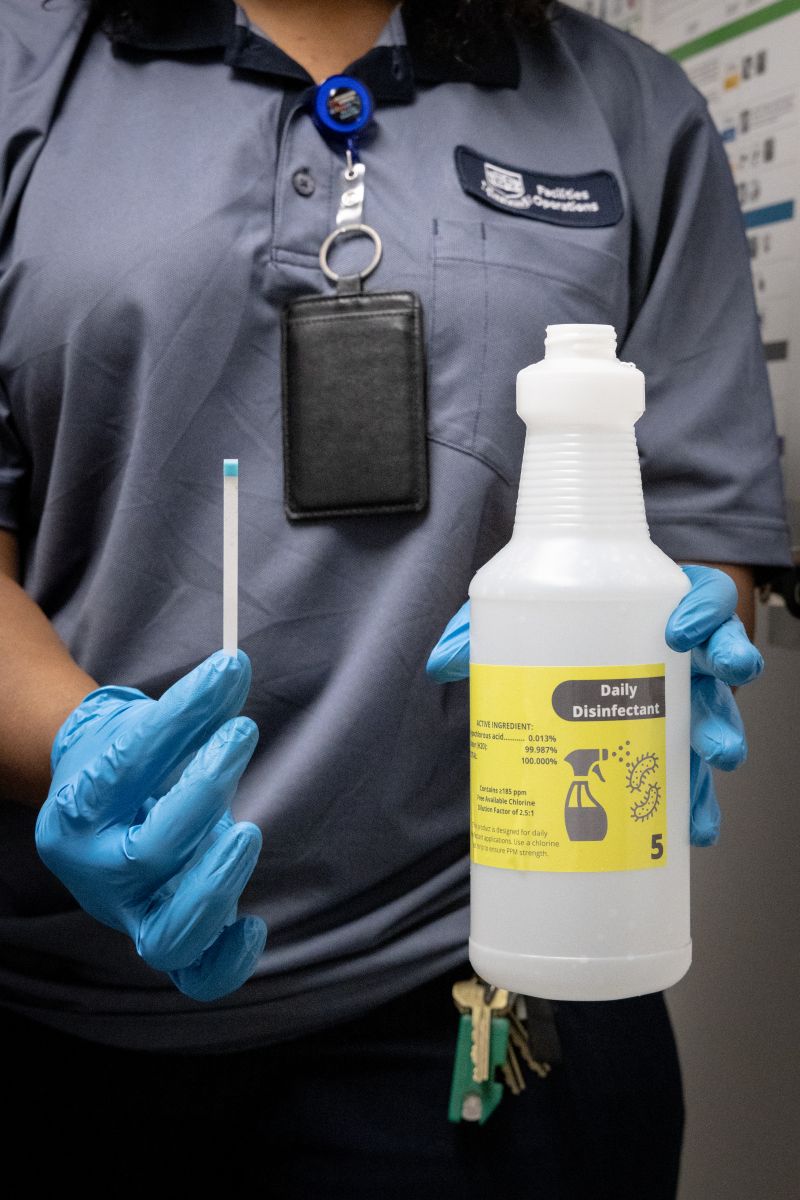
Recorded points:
(167, 869)
(722, 654)
(705, 622)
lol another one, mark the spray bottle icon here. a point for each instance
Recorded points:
(585, 819)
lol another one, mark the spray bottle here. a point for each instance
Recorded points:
(579, 892)
(585, 819)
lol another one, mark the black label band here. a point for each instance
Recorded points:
(610, 699)
(586, 201)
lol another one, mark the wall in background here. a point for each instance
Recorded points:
(744, 56)
(736, 1012)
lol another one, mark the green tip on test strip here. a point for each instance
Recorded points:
(230, 466)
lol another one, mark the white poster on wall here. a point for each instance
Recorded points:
(673, 23)
(744, 56)
(625, 14)
(752, 85)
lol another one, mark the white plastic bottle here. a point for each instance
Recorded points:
(579, 712)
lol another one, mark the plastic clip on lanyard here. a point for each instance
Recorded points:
(342, 111)
(354, 436)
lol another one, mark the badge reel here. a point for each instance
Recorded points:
(354, 424)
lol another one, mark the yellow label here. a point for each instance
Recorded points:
(567, 767)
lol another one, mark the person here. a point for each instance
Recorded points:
(165, 193)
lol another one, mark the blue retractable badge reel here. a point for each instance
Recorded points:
(343, 108)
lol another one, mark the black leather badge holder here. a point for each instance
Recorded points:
(354, 405)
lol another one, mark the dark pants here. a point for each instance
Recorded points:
(358, 1113)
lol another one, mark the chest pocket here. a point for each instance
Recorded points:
(495, 288)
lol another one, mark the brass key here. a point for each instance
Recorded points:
(480, 1000)
(512, 1071)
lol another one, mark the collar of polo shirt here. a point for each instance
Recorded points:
(391, 72)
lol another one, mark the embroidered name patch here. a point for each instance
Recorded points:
(585, 200)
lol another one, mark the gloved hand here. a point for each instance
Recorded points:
(167, 869)
(722, 654)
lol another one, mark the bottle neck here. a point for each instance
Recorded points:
(576, 479)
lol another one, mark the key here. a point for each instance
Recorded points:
(518, 1036)
(512, 1071)
(518, 1039)
(480, 1000)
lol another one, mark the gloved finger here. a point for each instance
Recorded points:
(728, 654)
(179, 927)
(717, 731)
(449, 658)
(226, 964)
(225, 823)
(136, 762)
(176, 825)
(704, 829)
(711, 602)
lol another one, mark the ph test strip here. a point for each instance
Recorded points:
(230, 555)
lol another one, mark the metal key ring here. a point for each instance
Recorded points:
(350, 231)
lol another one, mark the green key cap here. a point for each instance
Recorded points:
(470, 1101)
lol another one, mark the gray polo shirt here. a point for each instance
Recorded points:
(162, 199)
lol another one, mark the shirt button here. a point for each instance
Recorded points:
(303, 182)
